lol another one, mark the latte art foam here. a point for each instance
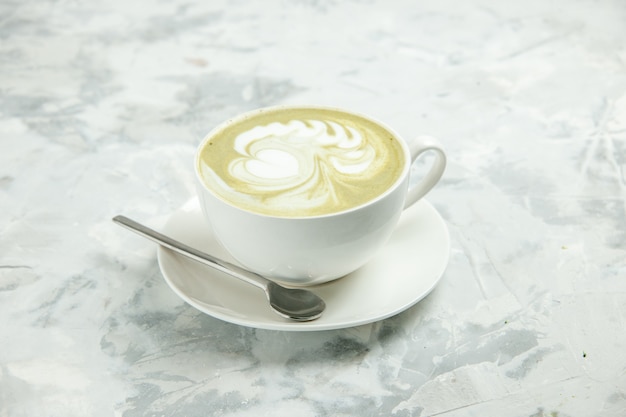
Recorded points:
(301, 157)
(303, 163)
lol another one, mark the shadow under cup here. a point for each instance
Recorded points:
(310, 250)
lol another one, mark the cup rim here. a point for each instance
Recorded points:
(401, 178)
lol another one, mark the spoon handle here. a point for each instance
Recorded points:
(196, 255)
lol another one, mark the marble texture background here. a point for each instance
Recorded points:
(103, 102)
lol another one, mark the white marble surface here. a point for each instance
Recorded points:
(103, 102)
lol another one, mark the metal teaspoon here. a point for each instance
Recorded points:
(293, 303)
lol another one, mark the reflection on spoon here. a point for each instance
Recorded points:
(292, 303)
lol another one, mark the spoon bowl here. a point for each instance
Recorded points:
(294, 303)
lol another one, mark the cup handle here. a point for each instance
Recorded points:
(417, 147)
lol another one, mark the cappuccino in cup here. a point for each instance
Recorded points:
(304, 195)
(300, 162)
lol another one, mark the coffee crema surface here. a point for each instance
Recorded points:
(300, 162)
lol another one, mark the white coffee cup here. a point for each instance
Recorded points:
(309, 250)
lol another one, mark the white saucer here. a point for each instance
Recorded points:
(402, 273)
